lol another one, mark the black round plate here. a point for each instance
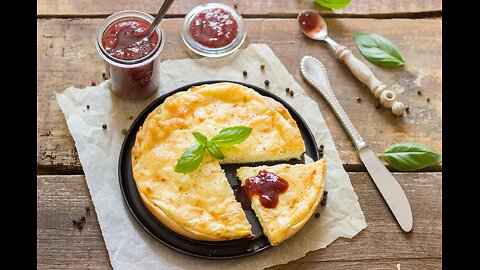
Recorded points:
(202, 249)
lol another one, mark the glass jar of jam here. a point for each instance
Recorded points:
(213, 30)
(131, 58)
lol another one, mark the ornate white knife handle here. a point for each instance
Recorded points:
(366, 76)
(315, 74)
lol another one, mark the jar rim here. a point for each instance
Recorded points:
(203, 50)
(115, 17)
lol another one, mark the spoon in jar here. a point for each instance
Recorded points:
(314, 27)
(161, 13)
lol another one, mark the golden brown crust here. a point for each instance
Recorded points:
(201, 205)
(296, 205)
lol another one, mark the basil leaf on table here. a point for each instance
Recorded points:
(215, 151)
(410, 156)
(231, 136)
(378, 50)
(201, 139)
(190, 159)
(334, 4)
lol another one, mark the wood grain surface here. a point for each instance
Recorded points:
(264, 8)
(382, 245)
(66, 56)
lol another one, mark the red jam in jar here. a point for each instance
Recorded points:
(214, 28)
(267, 186)
(126, 39)
(131, 58)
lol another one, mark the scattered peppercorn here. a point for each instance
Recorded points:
(104, 126)
(88, 106)
(377, 106)
(428, 99)
(245, 73)
(262, 66)
(359, 99)
(235, 6)
(419, 92)
(267, 82)
(87, 208)
(79, 222)
(291, 93)
(324, 201)
(317, 214)
(131, 117)
(407, 109)
(104, 76)
(321, 147)
(287, 90)
(124, 131)
(93, 82)
(325, 193)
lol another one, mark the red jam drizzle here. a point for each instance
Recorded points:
(126, 39)
(214, 28)
(267, 186)
(310, 22)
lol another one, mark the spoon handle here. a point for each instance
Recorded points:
(161, 13)
(387, 97)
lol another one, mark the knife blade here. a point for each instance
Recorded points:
(314, 72)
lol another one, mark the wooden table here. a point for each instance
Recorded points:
(66, 56)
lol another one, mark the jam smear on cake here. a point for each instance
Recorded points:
(267, 186)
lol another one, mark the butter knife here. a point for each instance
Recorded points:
(315, 74)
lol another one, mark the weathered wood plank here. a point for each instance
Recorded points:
(382, 245)
(249, 8)
(66, 56)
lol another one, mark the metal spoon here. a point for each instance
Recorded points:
(161, 13)
(314, 27)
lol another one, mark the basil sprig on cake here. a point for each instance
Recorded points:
(193, 156)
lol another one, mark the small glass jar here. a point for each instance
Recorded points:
(209, 51)
(132, 79)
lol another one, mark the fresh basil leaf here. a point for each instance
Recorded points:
(410, 156)
(215, 151)
(333, 3)
(231, 135)
(190, 159)
(201, 139)
(378, 50)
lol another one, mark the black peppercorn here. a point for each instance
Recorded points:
(88, 106)
(324, 201)
(317, 214)
(262, 66)
(87, 208)
(291, 93)
(104, 126)
(287, 90)
(407, 109)
(359, 99)
(377, 106)
(419, 92)
(321, 147)
(124, 131)
(245, 73)
(267, 82)
(104, 76)
(428, 99)
(325, 193)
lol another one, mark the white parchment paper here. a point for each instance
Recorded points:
(128, 245)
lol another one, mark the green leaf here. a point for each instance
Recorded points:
(378, 50)
(214, 150)
(201, 139)
(231, 136)
(410, 156)
(190, 159)
(334, 4)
